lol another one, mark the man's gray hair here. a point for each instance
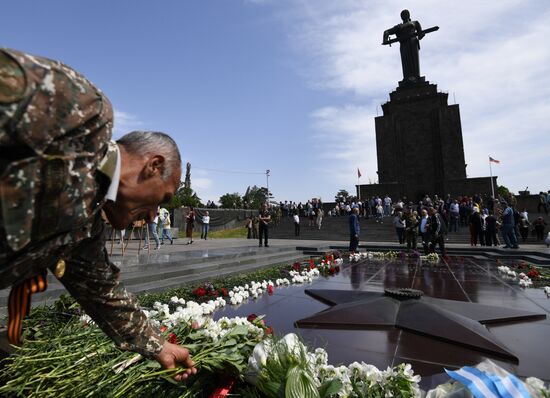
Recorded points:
(153, 143)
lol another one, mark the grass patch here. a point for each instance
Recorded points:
(238, 232)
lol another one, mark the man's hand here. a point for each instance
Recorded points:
(172, 355)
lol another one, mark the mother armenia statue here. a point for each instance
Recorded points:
(408, 34)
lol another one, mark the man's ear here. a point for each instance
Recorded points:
(154, 165)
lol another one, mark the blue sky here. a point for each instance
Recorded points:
(293, 86)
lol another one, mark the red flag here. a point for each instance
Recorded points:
(358, 173)
(494, 160)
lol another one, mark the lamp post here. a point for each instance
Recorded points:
(267, 180)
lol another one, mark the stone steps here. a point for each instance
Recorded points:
(336, 228)
(164, 271)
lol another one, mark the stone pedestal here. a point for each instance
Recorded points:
(419, 146)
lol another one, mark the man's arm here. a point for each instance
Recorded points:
(93, 281)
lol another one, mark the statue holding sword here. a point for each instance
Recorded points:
(408, 34)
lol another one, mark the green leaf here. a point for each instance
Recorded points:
(330, 388)
(299, 384)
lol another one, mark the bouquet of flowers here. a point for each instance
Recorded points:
(75, 358)
(287, 368)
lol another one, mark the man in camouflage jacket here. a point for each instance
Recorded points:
(58, 170)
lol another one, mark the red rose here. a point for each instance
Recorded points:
(200, 291)
(269, 289)
(331, 271)
(163, 329)
(224, 292)
(296, 266)
(251, 317)
(172, 338)
(311, 266)
(268, 331)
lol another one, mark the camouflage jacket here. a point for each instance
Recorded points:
(55, 127)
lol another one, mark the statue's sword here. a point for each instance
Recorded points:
(422, 32)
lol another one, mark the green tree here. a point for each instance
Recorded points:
(255, 196)
(231, 201)
(185, 196)
(342, 196)
(503, 191)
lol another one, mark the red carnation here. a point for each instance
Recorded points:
(251, 317)
(533, 273)
(172, 338)
(269, 289)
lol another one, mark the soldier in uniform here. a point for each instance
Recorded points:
(58, 170)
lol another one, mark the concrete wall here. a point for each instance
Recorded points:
(219, 218)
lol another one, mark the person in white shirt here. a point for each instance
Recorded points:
(320, 214)
(425, 232)
(387, 206)
(205, 225)
(164, 226)
(296, 224)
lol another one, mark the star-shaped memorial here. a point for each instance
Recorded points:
(457, 322)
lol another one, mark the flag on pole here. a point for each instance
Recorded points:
(494, 160)
(359, 173)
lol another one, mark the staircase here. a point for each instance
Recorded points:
(337, 228)
(163, 271)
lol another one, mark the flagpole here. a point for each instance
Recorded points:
(358, 188)
(491, 172)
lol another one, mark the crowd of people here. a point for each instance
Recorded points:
(431, 219)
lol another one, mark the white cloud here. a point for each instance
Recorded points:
(125, 122)
(494, 56)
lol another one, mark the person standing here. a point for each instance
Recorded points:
(411, 229)
(399, 225)
(539, 225)
(296, 224)
(524, 227)
(387, 205)
(248, 226)
(542, 203)
(320, 214)
(264, 219)
(152, 228)
(205, 225)
(354, 230)
(255, 221)
(437, 231)
(189, 224)
(476, 229)
(508, 227)
(164, 226)
(425, 230)
(491, 226)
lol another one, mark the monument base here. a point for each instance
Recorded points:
(457, 187)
